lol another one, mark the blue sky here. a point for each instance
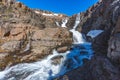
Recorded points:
(68, 7)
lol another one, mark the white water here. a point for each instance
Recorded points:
(64, 22)
(77, 37)
(47, 69)
(77, 21)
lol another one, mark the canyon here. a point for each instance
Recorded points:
(42, 45)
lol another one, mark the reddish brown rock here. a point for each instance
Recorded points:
(18, 4)
(11, 46)
(63, 49)
(27, 45)
(28, 36)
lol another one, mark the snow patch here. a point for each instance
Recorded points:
(64, 22)
(37, 12)
(45, 14)
(94, 33)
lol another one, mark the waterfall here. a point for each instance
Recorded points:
(77, 36)
(48, 68)
(77, 21)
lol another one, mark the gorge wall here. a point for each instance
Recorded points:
(28, 35)
(105, 64)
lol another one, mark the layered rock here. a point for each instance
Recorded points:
(104, 15)
(27, 35)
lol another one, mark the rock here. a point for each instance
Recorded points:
(28, 36)
(24, 7)
(104, 15)
(57, 59)
(62, 49)
(2, 60)
(11, 46)
(16, 31)
(38, 43)
(3, 55)
(99, 68)
(104, 70)
(18, 4)
(43, 41)
(114, 44)
(100, 43)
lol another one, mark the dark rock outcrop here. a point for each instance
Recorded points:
(105, 64)
(114, 44)
(99, 68)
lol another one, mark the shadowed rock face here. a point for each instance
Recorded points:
(114, 44)
(105, 64)
(99, 68)
(27, 35)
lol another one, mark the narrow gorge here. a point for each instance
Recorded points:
(42, 45)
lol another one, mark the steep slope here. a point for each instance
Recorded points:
(100, 24)
(27, 35)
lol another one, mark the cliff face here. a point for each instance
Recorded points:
(27, 35)
(103, 16)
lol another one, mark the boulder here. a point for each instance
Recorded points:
(62, 49)
(99, 68)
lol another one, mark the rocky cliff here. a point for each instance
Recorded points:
(28, 35)
(105, 65)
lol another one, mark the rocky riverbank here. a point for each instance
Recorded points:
(28, 35)
(105, 64)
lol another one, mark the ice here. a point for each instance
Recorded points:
(94, 33)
